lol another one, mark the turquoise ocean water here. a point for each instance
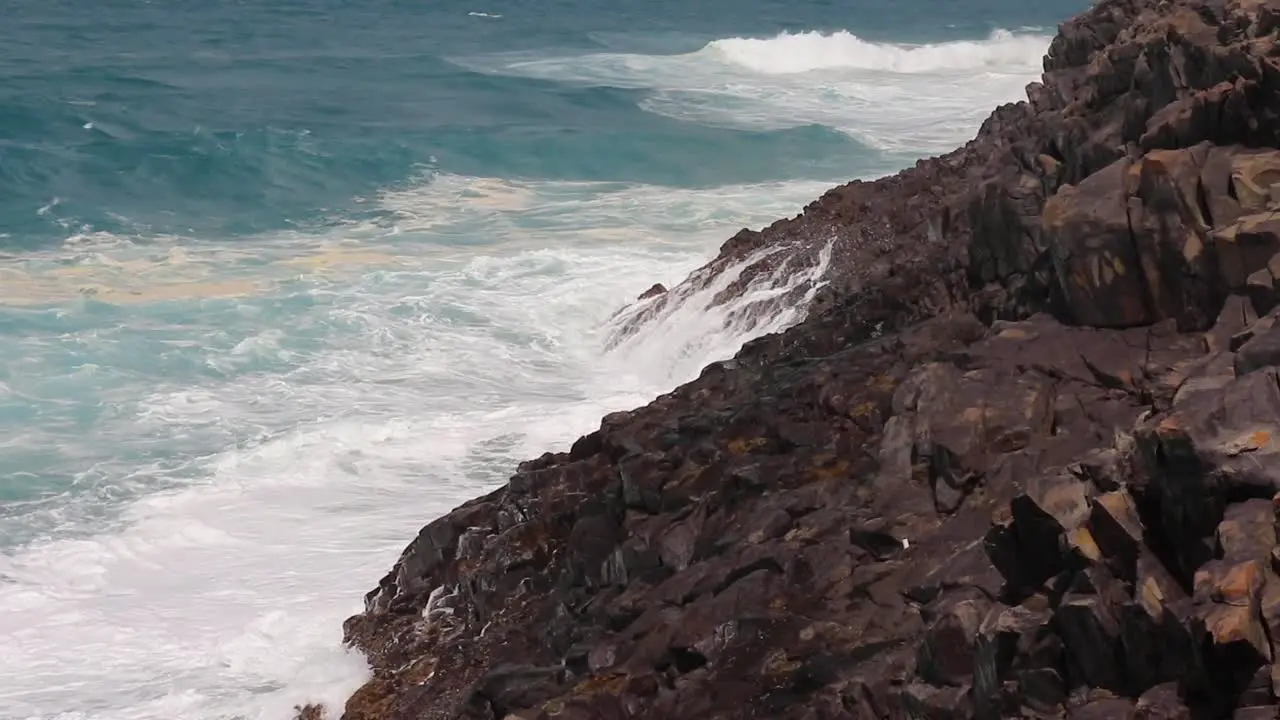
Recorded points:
(282, 280)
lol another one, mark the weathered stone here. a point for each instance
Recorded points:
(1162, 702)
(1236, 315)
(947, 653)
(1229, 621)
(1045, 519)
(1091, 632)
(811, 529)
(508, 689)
(1262, 350)
(930, 703)
(1104, 709)
(1118, 531)
(1247, 531)
(1245, 247)
(1169, 229)
(1087, 227)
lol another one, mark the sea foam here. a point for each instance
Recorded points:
(893, 97)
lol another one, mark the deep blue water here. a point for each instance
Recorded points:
(228, 118)
(281, 281)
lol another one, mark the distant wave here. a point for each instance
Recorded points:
(897, 97)
(808, 51)
(483, 15)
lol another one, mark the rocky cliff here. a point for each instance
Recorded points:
(1020, 460)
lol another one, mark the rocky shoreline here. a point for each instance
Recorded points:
(1020, 460)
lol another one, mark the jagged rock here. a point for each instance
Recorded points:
(947, 653)
(1260, 351)
(654, 291)
(1162, 702)
(1087, 227)
(1032, 405)
(1015, 647)
(1246, 246)
(1117, 529)
(1247, 531)
(1230, 629)
(1090, 629)
(1044, 519)
(1104, 709)
(510, 689)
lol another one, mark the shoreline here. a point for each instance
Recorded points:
(1018, 459)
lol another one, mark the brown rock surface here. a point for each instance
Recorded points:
(1020, 460)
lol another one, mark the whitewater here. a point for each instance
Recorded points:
(212, 450)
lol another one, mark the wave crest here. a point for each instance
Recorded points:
(790, 53)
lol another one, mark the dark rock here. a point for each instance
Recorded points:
(1018, 459)
(947, 653)
(511, 688)
(656, 290)
(1093, 251)
(1104, 709)
(1261, 351)
(1162, 702)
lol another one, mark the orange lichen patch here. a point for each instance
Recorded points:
(883, 383)
(1229, 625)
(1082, 540)
(863, 410)
(742, 446)
(608, 684)
(1152, 598)
(1169, 426)
(1236, 585)
(1193, 248)
(1249, 442)
(838, 469)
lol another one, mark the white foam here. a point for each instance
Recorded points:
(789, 53)
(912, 98)
(406, 388)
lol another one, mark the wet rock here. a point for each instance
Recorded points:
(655, 291)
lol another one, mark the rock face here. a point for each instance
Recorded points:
(1020, 460)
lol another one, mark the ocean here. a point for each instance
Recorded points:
(282, 280)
